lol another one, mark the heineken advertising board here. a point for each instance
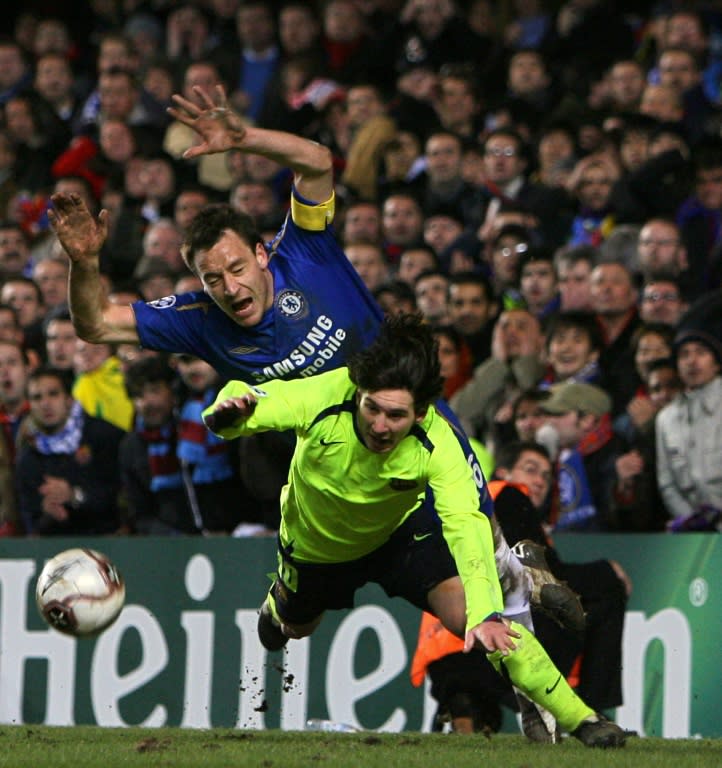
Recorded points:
(184, 650)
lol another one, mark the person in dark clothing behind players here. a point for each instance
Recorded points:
(67, 469)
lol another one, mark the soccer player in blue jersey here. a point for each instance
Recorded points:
(291, 309)
(369, 441)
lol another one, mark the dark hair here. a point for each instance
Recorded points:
(667, 332)
(65, 377)
(445, 329)
(148, 370)
(707, 154)
(512, 230)
(510, 133)
(473, 278)
(534, 395)
(536, 254)
(399, 289)
(17, 277)
(576, 254)
(583, 321)
(209, 225)
(403, 356)
(432, 272)
(509, 453)
(662, 363)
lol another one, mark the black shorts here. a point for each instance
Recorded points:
(412, 562)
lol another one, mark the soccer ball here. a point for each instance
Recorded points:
(80, 592)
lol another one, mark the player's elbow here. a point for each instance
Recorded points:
(325, 163)
(92, 333)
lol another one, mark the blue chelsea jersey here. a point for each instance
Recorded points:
(321, 314)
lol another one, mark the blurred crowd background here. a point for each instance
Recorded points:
(541, 180)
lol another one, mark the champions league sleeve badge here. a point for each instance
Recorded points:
(292, 304)
(165, 303)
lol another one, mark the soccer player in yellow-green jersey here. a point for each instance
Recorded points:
(368, 443)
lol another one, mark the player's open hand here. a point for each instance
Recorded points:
(79, 233)
(217, 125)
(230, 412)
(491, 636)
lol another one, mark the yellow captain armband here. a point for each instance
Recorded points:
(314, 218)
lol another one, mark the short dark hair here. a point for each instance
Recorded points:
(148, 370)
(209, 225)
(431, 272)
(533, 395)
(667, 332)
(575, 254)
(662, 363)
(65, 377)
(707, 154)
(509, 453)
(537, 254)
(473, 278)
(403, 356)
(579, 319)
(399, 289)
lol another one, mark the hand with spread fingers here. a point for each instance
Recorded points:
(79, 233)
(214, 121)
(492, 636)
(230, 412)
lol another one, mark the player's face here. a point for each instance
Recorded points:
(236, 277)
(385, 417)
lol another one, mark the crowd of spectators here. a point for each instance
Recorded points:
(542, 181)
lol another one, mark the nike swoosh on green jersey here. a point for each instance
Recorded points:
(422, 536)
(551, 690)
(323, 441)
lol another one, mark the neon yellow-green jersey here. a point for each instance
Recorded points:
(343, 501)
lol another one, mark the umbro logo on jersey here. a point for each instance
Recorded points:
(401, 484)
(243, 350)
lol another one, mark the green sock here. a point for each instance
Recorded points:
(532, 671)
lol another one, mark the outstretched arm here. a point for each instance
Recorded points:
(219, 129)
(95, 319)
